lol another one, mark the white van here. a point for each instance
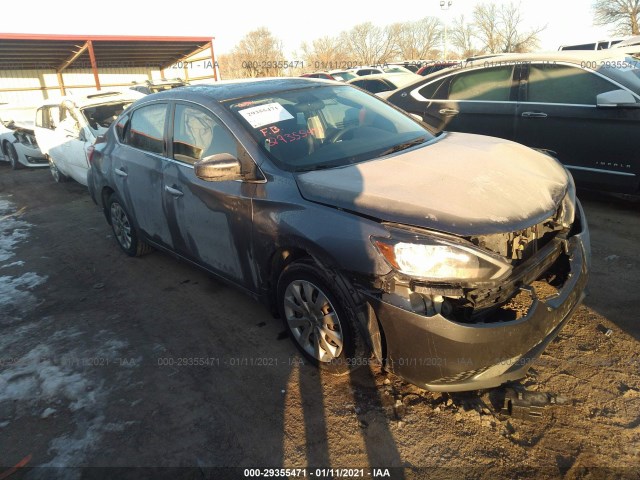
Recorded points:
(599, 45)
(67, 126)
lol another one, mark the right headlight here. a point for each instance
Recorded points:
(440, 259)
(568, 205)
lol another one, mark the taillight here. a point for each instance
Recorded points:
(91, 149)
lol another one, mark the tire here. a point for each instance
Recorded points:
(320, 319)
(124, 229)
(57, 175)
(10, 152)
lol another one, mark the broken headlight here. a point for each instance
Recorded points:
(439, 258)
(567, 212)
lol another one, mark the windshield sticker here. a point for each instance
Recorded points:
(265, 114)
(282, 137)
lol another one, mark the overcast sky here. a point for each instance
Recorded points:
(568, 21)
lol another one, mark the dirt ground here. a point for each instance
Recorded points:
(108, 361)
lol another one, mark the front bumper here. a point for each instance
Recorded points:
(439, 354)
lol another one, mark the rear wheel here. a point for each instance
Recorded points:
(10, 151)
(57, 175)
(124, 229)
(320, 320)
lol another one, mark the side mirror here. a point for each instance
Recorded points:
(616, 98)
(218, 168)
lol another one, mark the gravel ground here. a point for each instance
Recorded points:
(108, 361)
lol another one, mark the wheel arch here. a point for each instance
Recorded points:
(369, 326)
(104, 200)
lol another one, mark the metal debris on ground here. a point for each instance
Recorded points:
(528, 405)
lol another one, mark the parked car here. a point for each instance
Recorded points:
(17, 142)
(581, 107)
(342, 75)
(324, 75)
(598, 45)
(384, 82)
(359, 227)
(434, 67)
(396, 69)
(411, 65)
(66, 128)
(362, 71)
(156, 86)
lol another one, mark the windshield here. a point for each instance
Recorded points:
(625, 70)
(328, 126)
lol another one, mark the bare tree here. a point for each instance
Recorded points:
(500, 29)
(485, 20)
(461, 36)
(326, 53)
(369, 44)
(622, 15)
(416, 40)
(512, 38)
(259, 54)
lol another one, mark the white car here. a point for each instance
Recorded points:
(18, 144)
(66, 127)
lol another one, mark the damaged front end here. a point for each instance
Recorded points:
(475, 312)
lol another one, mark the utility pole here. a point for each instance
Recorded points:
(444, 6)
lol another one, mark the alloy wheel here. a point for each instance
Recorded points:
(313, 321)
(121, 225)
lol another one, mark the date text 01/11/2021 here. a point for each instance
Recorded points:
(347, 473)
(228, 362)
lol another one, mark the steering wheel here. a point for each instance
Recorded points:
(338, 136)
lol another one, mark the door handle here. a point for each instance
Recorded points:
(120, 173)
(534, 114)
(173, 191)
(449, 111)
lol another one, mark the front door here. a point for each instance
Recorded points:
(558, 113)
(210, 222)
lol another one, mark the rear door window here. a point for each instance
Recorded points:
(550, 83)
(486, 84)
(146, 128)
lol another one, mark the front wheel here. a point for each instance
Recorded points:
(11, 152)
(124, 230)
(320, 320)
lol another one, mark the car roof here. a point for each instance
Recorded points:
(95, 98)
(232, 89)
(572, 56)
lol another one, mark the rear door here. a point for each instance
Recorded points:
(480, 100)
(137, 168)
(210, 222)
(558, 112)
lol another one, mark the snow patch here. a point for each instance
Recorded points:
(15, 294)
(12, 229)
(19, 263)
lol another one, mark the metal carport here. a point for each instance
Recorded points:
(42, 54)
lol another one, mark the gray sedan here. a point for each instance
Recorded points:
(454, 260)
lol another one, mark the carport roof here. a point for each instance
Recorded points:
(42, 51)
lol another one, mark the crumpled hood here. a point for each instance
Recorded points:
(462, 184)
